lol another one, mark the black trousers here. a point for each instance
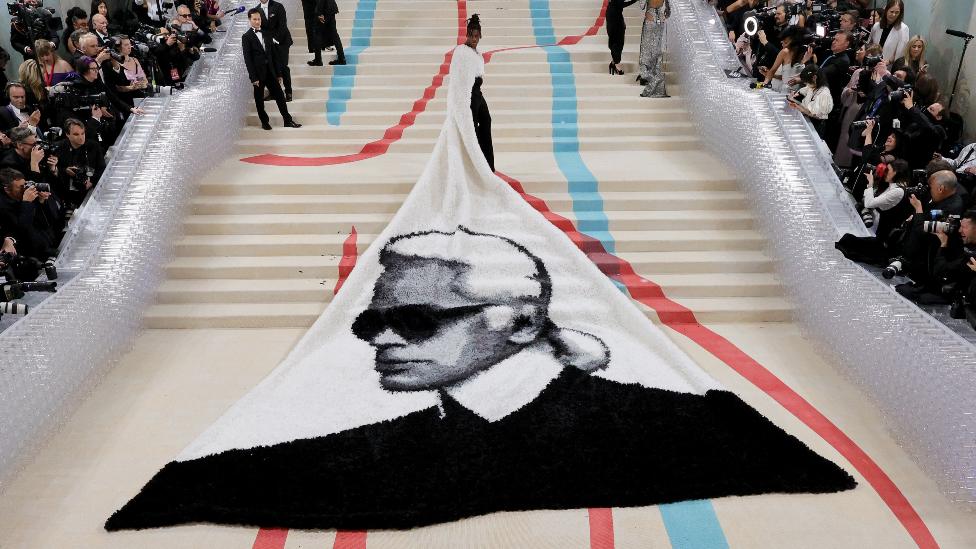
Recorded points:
(482, 126)
(311, 24)
(270, 81)
(616, 30)
(283, 52)
(330, 36)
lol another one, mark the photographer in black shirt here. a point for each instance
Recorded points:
(28, 157)
(30, 213)
(82, 163)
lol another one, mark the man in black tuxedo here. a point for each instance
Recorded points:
(276, 27)
(325, 11)
(263, 69)
(522, 422)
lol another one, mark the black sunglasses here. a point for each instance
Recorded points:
(411, 322)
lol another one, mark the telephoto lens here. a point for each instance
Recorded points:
(893, 268)
(10, 308)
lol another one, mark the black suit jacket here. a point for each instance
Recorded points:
(584, 442)
(260, 61)
(328, 8)
(7, 119)
(277, 24)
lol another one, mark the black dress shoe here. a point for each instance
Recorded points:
(337, 62)
(288, 97)
(292, 124)
(265, 126)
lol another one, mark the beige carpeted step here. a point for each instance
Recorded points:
(326, 265)
(296, 290)
(373, 222)
(332, 244)
(303, 314)
(322, 203)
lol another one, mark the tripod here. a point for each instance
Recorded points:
(955, 82)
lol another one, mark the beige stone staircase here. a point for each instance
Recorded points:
(261, 244)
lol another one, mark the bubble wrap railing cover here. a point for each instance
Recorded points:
(49, 359)
(921, 374)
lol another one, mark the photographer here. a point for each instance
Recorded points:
(964, 165)
(87, 98)
(186, 29)
(887, 207)
(950, 272)
(31, 21)
(924, 134)
(813, 100)
(836, 74)
(920, 246)
(31, 214)
(28, 157)
(174, 58)
(82, 163)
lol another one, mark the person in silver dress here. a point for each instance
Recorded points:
(656, 14)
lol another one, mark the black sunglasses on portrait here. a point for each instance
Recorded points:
(411, 322)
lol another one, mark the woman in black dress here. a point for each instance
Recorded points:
(616, 28)
(479, 107)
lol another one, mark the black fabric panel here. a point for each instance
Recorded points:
(584, 442)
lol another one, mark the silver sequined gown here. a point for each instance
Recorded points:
(652, 49)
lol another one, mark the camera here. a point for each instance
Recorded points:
(872, 61)
(37, 22)
(83, 174)
(41, 187)
(68, 97)
(19, 267)
(861, 124)
(49, 140)
(941, 223)
(894, 267)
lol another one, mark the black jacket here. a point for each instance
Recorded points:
(89, 155)
(260, 62)
(11, 159)
(34, 225)
(328, 8)
(583, 442)
(276, 25)
(835, 70)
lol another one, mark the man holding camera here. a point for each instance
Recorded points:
(953, 267)
(30, 213)
(922, 233)
(27, 157)
(836, 74)
(83, 163)
(174, 56)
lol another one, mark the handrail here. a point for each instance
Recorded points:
(921, 374)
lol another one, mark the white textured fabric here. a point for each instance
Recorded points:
(328, 383)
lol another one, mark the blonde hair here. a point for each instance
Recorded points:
(30, 76)
(915, 65)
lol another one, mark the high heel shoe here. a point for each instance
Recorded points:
(614, 70)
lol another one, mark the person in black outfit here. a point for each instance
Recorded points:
(950, 271)
(564, 439)
(82, 163)
(32, 217)
(263, 69)
(312, 32)
(103, 121)
(27, 157)
(836, 72)
(325, 11)
(616, 31)
(479, 107)
(920, 247)
(276, 28)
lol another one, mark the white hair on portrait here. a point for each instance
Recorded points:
(497, 270)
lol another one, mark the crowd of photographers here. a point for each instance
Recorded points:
(78, 82)
(855, 71)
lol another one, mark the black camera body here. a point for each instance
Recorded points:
(71, 98)
(18, 267)
(38, 22)
(83, 174)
